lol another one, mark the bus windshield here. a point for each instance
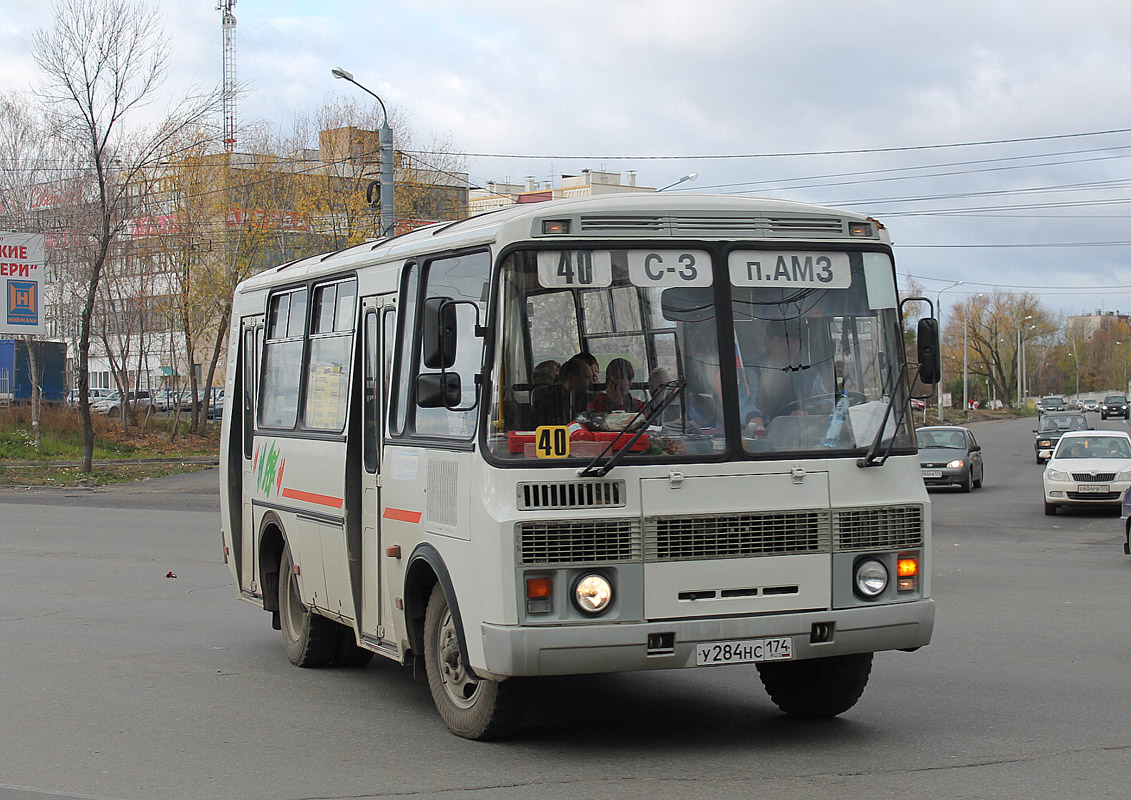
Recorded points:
(750, 353)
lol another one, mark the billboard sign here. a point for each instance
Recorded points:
(21, 280)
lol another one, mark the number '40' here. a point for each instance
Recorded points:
(583, 274)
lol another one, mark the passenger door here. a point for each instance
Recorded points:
(378, 315)
(251, 337)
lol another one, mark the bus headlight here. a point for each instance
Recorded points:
(871, 578)
(592, 593)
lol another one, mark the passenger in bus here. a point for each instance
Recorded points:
(545, 373)
(559, 402)
(618, 389)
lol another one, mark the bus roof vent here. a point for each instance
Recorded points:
(625, 224)
(570, 494)
(806, 226)
(718, 226)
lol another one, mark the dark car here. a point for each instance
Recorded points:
(1052, 427)
(950, 456)
(1051, 404)
(1114, 405)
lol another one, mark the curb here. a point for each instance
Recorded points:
(109, 462)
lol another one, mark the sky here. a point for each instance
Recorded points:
(992, 138)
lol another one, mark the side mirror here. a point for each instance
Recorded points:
(930, 359)
(439, 390)
(439, 333)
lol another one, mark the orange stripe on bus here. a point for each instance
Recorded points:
(311, 497)
(401, 515)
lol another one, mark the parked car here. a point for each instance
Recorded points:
(216, 404)
(1091, 404)
(92, 395)
(1088, 468)
(950, 456)
(1051, 403)
(1114, 405)
(140, 400)
(1051, 428)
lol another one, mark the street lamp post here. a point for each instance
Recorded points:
(691, 176)
(938, 310)
(1124, 369)
(965, 360)
(1076, 361)
(385, 146)
(1020, 366)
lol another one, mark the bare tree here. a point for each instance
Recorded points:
(101, 63)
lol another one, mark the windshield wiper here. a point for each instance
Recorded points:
(591, 469)
(871, 459)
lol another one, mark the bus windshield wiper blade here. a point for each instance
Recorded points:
(591, 469)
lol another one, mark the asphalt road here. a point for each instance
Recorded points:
(120, 682)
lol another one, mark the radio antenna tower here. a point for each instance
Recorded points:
(229, 96)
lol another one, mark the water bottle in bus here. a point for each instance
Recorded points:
(836, 422)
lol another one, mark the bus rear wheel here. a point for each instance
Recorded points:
(474, 708)
(817, 687)
(309, 639)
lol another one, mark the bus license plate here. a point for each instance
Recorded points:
(743, 651)
(1097, 488)
(932, 473)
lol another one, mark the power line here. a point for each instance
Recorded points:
(776, 183)
(860, 151)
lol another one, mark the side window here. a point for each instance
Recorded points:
(248, 362)
(282, 359)
(465, 279)
(331, 340)
(370, 389)
(407, 336)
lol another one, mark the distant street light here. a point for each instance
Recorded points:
(387, 224)
(1021, 388)
(965, 351)
(1076, 361)
(1124, 369)
(691, 176)
(938, 311)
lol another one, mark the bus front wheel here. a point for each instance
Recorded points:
(309, 639)
(471, 707)
(817, 687)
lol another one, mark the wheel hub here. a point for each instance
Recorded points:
(458, 684)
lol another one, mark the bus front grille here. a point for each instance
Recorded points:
(712, 536)
(578, 541)
(878, 528)
(570, 494)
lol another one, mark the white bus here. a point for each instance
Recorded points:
(615, 433)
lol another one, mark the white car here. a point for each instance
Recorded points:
(1088, 468)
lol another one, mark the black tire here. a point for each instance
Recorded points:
(471, 708)
(309, 639)
(967, 484)
(348, 654)
(978, 483)
(1040, 460)
(818, 687)
(1050, 509)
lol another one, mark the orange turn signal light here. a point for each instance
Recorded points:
(539, 587)
(907, 567)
